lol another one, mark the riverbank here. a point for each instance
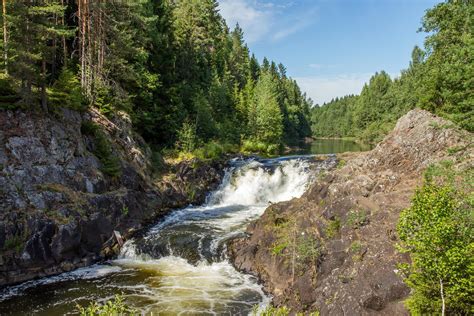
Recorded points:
(334, 249)
(73, 185)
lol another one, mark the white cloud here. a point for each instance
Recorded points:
(261, 19)
(324, 88)
(255, 20)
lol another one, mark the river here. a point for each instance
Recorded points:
(179, 266)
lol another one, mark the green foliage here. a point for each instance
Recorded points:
(277, 248)
(333, 227)
(174, 66)
(102, 149)
(115, 307)
(8, 96)
(298, 248)
(439, 79)
(125, 210)
(356, 246)
(271, 311)
(357, 218)
(15, 243)
(187, 139)
(211, 151)
(257, 147)
(66, 91)
(268, 117)
(437, 231)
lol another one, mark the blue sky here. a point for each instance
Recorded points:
(331, 47)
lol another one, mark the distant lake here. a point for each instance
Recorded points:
(332, 146)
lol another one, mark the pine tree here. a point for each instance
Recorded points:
(268, 117)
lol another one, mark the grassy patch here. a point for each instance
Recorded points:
(357, 219)
(333, 227)
(15, 243)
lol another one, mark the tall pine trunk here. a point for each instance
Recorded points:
(44, 97)
(5, 34)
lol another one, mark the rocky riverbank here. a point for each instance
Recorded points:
(333, 249)
(68, 181)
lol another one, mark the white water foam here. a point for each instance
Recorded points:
(208, 286)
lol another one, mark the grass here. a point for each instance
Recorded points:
(357, 219)
(125, 210)
(333, 227)
(15, 243)
(278, 248)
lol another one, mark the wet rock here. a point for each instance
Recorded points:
(66, 242)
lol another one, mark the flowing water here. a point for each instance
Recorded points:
(179, 266)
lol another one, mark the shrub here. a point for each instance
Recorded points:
(333, 227)
(8, 96)
(437, 231)
(110, 308)
(14, 243)
(271, 311)
(258, 147)
(356, 219)
(102, 149)
(187, 139)
(66, 92)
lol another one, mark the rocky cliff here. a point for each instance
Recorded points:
(333, 249)
(69, 180)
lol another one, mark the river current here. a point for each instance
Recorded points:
(179, 266)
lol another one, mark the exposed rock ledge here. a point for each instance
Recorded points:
(58, 211)
(351, 215)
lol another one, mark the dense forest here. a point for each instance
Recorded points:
(440, 79)
(184, 78)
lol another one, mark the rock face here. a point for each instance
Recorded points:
(333, 249)
(58, 210)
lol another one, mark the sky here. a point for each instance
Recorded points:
(330, 47)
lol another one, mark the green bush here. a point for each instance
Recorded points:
(357, 218)
(102, 149)
(271, 311)
(116, 307)
(212, 150)
(66, 92)
(437, 231)
(333, 227)
(8, 96)
(257, 147)
(14, 243)
(187, 139)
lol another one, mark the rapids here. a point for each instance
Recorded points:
(179, 266)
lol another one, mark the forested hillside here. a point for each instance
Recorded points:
(186, 80)
(440, 79)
